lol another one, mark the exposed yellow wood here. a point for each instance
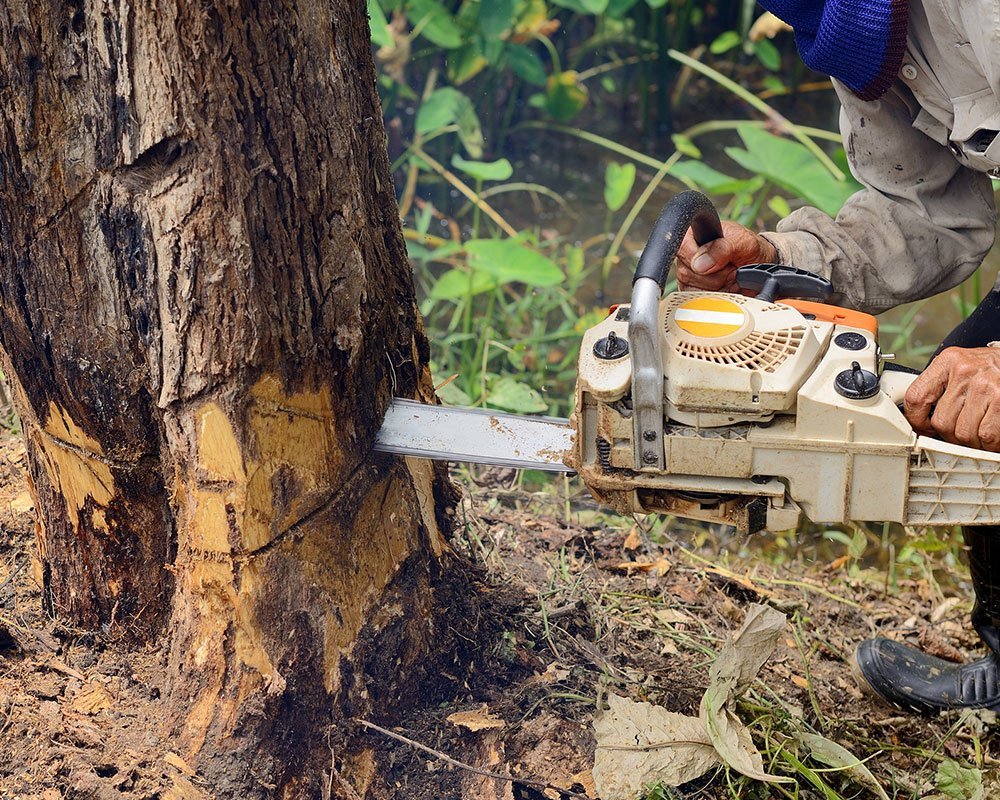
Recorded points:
(422, 473)
(75, 465)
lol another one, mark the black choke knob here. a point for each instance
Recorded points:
(857, 383)
(611, 347)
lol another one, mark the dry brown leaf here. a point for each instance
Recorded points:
(657, 568)
(633, 541)
(729, 677)
(799, 681)
(672, 616)
(839, 563)
(92, 699)
(639, 744)
(553, 674)
(945, 608)
(479, 720)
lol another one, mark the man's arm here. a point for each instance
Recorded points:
(921, 225)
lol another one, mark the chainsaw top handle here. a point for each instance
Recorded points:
(687, 210)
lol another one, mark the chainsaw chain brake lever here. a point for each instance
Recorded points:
(687, 210)
(773, 282)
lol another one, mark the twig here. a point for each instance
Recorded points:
(499, 776)
(12, 575)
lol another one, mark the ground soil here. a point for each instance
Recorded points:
(589, 604)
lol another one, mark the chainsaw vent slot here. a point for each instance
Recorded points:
(758, 350)
(733, 433)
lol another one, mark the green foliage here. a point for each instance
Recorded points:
(507, 326)
(565, 95)
(507, 305)
(499, 170)
(618, 182)
(959, 783)
(792, 167)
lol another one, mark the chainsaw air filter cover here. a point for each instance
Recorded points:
(727, 357)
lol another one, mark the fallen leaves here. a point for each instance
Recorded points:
(476, 720)
(657, 568)
(639, 744)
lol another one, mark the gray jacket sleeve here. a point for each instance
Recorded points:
(922, 224)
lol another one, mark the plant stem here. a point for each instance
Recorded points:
(635, 210)
(459, 184)
(764, 108)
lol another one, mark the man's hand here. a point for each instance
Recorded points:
(712, 267)
(957, 398)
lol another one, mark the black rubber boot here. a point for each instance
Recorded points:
(910, 679)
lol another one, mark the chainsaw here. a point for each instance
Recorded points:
(743, 410)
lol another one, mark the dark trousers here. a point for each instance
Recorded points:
(981, 328)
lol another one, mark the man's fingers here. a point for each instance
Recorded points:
(989, 429)
(923, 393)
(970, 419)
(712, 257)
(714, 282)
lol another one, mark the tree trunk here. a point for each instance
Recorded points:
(206, 306)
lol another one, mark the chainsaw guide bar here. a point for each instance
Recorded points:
(475, 436)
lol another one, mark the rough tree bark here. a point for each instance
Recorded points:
(205, 306)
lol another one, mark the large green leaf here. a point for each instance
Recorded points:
(572, 5)
(512, 395)
(724, 42)
(618, 8)
(618, 182)
(456, 284)
(465, 63)
(768, 54)
(499, 170)
(791, 166)
(436, 24)
(381, 35)
(705, 177)
(495, 17)
(445, 106)
(509, 261)
(526, 64)
(565, 96)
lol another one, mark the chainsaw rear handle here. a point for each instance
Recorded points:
(688, 210)
(771, 282)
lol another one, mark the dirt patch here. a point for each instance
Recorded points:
(580, 604)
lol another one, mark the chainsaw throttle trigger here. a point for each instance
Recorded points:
(777, 281)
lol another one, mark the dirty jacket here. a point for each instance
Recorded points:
(925, 153)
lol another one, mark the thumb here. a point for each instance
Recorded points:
(712, 257)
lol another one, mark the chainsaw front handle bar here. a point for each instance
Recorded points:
(688, 210)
